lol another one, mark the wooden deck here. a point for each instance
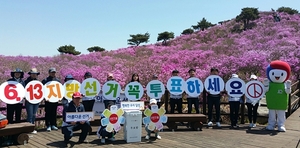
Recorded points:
(211, 137)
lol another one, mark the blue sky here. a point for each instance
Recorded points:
(38, 28)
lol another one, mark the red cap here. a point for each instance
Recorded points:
(77, 95)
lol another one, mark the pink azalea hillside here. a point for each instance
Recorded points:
(244, 53)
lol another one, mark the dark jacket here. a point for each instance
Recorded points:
(28, 80)
(20, 81)
(70, 107)
(48, 79)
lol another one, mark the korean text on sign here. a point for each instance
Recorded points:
(176, 85)
(214, 84)
(79, 116)
(34, 92)
(194, 87)
(134, 91)
(53, 91)
(155, 89)
(71, 86)
(235, 87)
(111, 90)
(90, 87)
(13, 92)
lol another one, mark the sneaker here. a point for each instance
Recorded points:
(49, 129)
(103, 140)
(54, 127)
(210, 123)
(147, 137)
(251, 125)
(112, 139)
(218, 124)
(158, 137)
(254, 125)
(34, 132)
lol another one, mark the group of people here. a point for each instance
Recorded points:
(88, 103)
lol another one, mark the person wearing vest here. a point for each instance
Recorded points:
(31, 109)
(175, 99)
(16, 109)
(51, 108)
(193, 100)
(69, 127)
(213, 100)
(88, 102)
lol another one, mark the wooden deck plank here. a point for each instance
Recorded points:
(209, 137)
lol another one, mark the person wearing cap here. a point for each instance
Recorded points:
(50, 107)
(154, 77)
(252, 106)
(31, 109)
(69, 127)
(101, 132)
(65, 101)
(88, 102)
(16, 109)
(234, 105)
(175, 99)
(110, 77)
(192, 100)
(214, 100)
(151, 103)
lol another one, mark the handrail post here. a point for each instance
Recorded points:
(289, 106)
(166, 100)
(204, 101)
(298, 87)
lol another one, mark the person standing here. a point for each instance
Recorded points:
(192, 100)
(214, 100)
(65, 101)
(252, 106)
(50, 107)
(110, 77)
(31, 109)
(176, 99)
(88, 102)
(16, 109)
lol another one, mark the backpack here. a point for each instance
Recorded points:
(3, 121)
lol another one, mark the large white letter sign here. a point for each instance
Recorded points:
(176, 85)
(235, 87)
(70, 87)
(155, 89)
(13, 92)
(90, 87)
(254, 90)
(134, 91)
(111, 90)
(54, 91)
(194, 87)
(34, 92)
(214, 84)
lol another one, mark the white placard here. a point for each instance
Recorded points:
(111, 90)
(214, 84)
(90, 87)
(70, 87)
(54, 91)
(193, 87)
(155, 89)
(79, 116)
(12, 92)
(134, 91)
(34, 92)
(235, 87)
(139, 105)
(254, 90)
(176, 85)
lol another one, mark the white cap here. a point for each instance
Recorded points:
(253, 77)
(234, 76)
(153, 101)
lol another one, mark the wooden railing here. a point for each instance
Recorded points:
(292, 104)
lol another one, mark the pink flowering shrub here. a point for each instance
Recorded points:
(244, 53)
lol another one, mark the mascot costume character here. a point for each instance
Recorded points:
(277, 90)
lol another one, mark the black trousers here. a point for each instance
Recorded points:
(68, 131)
(12, 109)
(192, 101)
(51, 113)
(252, 112)
(178, 103)
(213, 101)
(88, 105)
(234, 112)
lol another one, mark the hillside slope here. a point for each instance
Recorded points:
(247, 52)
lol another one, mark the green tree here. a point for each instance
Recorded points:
(138, 39)
(165, 36)
(203, 24)
(287, 10)
(187, 31)
(96, 49)
(247, 15)
(69, 49)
